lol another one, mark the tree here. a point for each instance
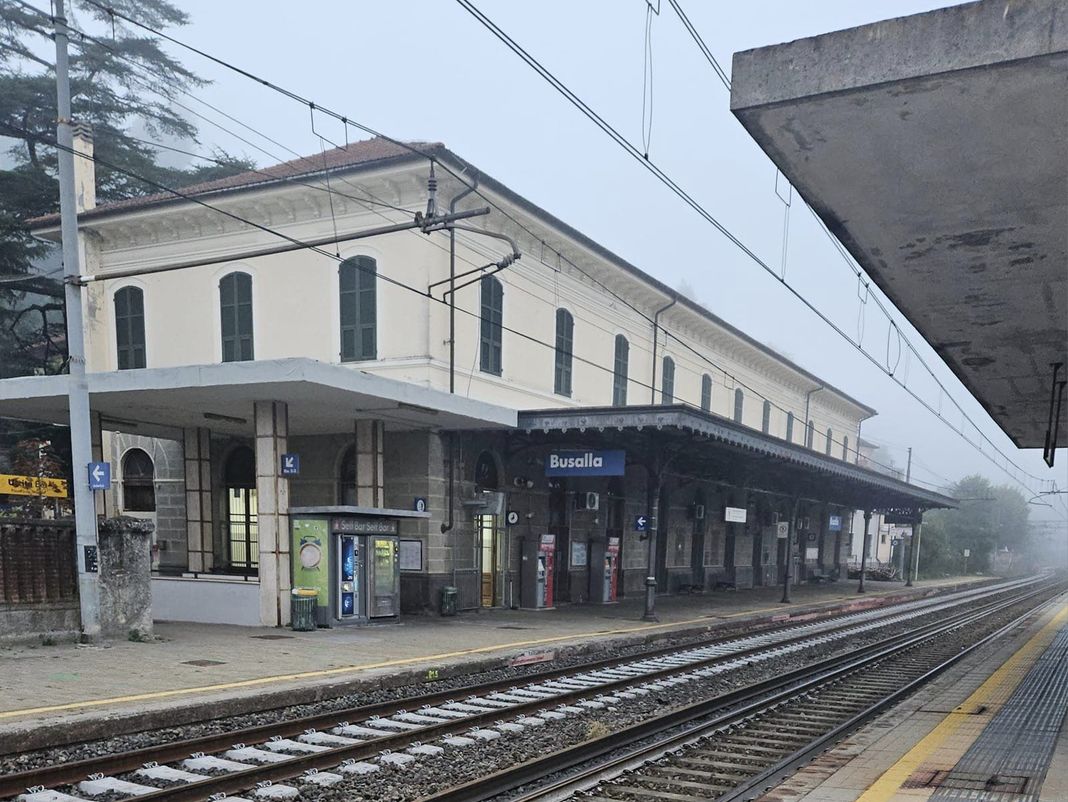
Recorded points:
(121, 79)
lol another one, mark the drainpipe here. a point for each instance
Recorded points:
(656, 334)
(450, 522)
(808, 401)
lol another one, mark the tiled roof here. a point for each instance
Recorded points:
(357, 153)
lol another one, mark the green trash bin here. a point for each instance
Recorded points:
(302, 609)
(449, 595)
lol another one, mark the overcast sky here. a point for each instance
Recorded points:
(425, 69)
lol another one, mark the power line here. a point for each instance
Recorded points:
(690, 201)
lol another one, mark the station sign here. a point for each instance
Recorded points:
(734, 515)
(17, 485)
(591, 462)
(364, 526)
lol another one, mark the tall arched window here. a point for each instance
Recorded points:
(130, 328)
(830, 439)
(565, 343)
(357, 285)
(242, 527)
(706, 393)
(810, 435)
(845, 448)
(492, 324)
(739, 403)
(346, 478)
(765, 424)
(667, 382)
(620, 366)
(235, 308)
(789, 427)
(138, 482)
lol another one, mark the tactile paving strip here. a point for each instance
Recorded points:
(1009, 759)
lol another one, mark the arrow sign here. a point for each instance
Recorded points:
(640, 523)
(290, 465)
(99, 475)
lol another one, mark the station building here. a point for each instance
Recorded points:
(501, 406)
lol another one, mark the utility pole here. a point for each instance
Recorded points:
(864, 550)
(77, 387)
(908, 467)
(789, 551)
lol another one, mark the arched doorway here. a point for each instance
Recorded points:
(242, 530)
(138, 482)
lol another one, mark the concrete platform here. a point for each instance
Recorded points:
(991, 729)
(194, 671)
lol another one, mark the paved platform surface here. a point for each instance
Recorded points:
(991, 729)
(69, 684)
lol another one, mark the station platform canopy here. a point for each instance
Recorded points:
(323, 399)
(702, 444)
(935, 147)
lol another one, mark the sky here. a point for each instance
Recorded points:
(427, 70)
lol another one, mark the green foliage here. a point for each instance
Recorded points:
(990, 518)
(121, 81)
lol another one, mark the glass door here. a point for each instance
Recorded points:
(384, 581)
(242, 529)
(487, 558)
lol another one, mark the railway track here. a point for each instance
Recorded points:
(737, 747)
(325, 750)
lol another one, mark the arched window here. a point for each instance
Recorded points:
(739, 403)
(619, 371)
(357, 286)
(242, 528)
(487, 476)
(346, 478)
(492, 324)
(667, 382)
(130, 328)
(830, 439)
(845, 448)
(810, 436)
(138, 485)
(235, 308)
(789, 427)
(565, 343)
(765, 424)
(706, 393)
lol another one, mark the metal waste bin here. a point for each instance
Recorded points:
(449, 595)
(302, 609)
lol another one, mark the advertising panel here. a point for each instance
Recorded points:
(310, 547)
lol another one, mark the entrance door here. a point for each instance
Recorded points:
(241, 526)
(383, 581)
(487, 558)
(559, 525)
(758, 558)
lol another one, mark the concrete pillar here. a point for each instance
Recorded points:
(126, 578)
(370, 482)
(272, 500)
(198, 506)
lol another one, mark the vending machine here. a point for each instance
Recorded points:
(604, 570)
(536, 573)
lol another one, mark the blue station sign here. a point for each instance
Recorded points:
(586, 463)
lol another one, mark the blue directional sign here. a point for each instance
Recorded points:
(291, 465)
(640, 522)
(99, 475)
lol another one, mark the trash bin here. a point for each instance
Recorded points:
(449, 596)
(302, 609)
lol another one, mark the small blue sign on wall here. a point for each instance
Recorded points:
(640, 523)
(99, 475)
(591, 462)
(291, 465)
(835, 524)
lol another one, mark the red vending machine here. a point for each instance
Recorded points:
(536, 577)
(604, 570)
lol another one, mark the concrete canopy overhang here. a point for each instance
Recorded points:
(935, 147)
(710, 447)
(322, 398)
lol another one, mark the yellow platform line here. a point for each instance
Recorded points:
(404, 661)
(890, 782)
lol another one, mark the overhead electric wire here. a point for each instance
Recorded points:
(608, 129)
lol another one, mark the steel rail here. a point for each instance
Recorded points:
(66, 773)
(727, 709)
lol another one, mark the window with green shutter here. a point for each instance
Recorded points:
(130, 328)
(235, 308)
(490, 360)
(619, 371)
(565, 343)
(358, 281)
(667, 382)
